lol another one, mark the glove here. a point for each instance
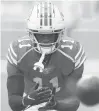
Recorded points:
(37, 96)
(51, 104)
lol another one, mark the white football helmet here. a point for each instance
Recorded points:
(46, 22)
(46, 28)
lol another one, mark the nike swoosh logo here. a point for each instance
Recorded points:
(30, 97)
(27, 45)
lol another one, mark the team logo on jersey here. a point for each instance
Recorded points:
(49, 69)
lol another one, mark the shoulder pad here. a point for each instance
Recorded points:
(18, 49)
(73, 50)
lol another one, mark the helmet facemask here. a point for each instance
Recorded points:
(46, 43)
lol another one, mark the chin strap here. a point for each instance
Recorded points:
(39, 65)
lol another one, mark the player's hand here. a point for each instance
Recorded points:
(51, 104)
(37, 96)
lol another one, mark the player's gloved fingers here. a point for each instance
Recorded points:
(44, 94)
(49, 91)
(44, 100)
(53, 90)
(52, 98)
(43, 89)
(36, 86)
(44, 97)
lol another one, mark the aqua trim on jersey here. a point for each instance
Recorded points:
(12, 56)
(11, 48)
(80, 57)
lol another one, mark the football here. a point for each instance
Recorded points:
(88, 90)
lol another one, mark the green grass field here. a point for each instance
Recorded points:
(88, 70)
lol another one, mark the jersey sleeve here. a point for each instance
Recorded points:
(13, 70)
(13, 53)
(80, 56)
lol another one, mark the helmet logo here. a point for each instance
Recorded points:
(48, 69)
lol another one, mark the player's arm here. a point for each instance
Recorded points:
(15, 87)
(71, 102)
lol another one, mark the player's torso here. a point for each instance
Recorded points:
(55, 71)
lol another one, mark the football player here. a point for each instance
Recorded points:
(44, 62)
